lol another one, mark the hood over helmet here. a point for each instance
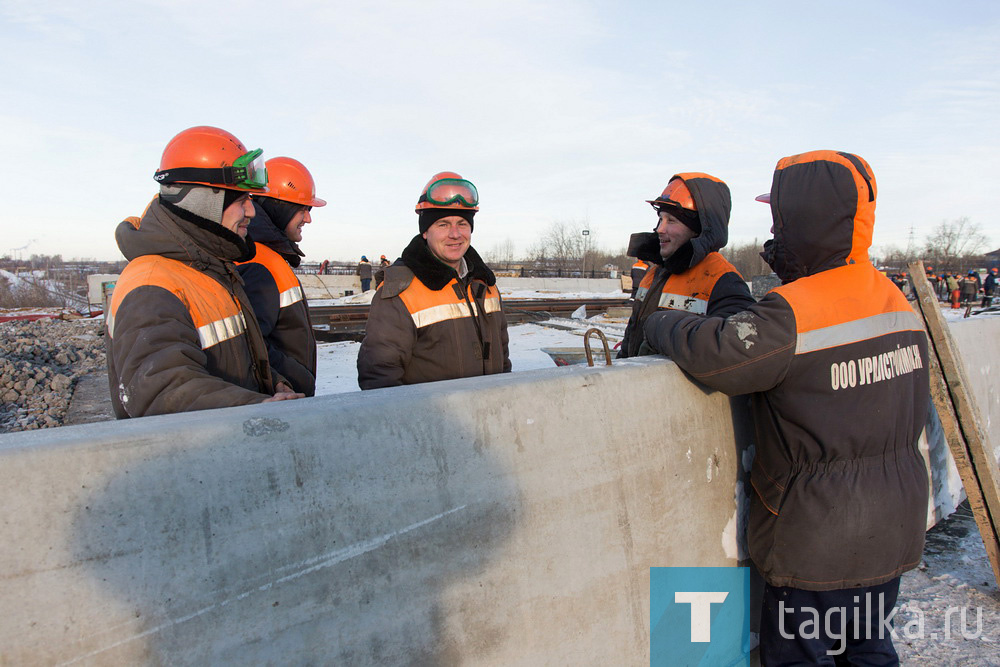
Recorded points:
(713, 203)
(823, 208)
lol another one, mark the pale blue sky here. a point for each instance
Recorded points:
(558, 111)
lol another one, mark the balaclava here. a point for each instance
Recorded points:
(205, 202)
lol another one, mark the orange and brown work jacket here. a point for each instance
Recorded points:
(280, 305)
(427, 324)
(696, 279)
(838, 361)
(179, 337)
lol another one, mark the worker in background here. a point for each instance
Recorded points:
(438, 315)
(638, 271)
(690, 274)
(954, 289)
(970, 286)
(990, 287)
(181, 334)
(364, 271)
(383, 262)
(269, 281)
(838, 363)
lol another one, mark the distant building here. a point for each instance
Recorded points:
(993, 259)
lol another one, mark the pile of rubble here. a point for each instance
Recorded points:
(40, 363)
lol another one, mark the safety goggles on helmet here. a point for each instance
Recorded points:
(450, 191)
(246, 173)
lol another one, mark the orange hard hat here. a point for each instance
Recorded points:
(289, 180)
(211, 156)
(448, 190)
(675, 194)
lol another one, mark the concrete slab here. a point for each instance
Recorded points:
(508, 519)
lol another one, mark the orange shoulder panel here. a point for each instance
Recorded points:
(204, 297)
(700, 280)
(419, 297)
(841, 295)
(283, 275)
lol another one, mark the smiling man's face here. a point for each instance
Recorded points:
(236, 217)
(448, 239)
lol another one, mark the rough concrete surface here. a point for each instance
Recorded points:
(503, 520)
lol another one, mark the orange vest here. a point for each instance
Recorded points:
(427, 306)
(216, 314)
(289, 287)
(691, 289)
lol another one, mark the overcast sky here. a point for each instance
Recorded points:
(558, 111)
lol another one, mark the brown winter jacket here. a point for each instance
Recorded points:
(280, 304)
(838, 361)
(181, 335)
(696, 278)
(427, 324)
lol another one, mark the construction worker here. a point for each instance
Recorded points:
(383, 262)
(274, 292)
(838, 361)
(181, 334)
(364, 272)
(970, 286)
(989, 287)
(954, 289)
(638, 271)
(438, 315)
(692, 225)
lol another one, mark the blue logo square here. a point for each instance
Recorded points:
(702, 616)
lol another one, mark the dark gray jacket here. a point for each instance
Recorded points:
(837, 361)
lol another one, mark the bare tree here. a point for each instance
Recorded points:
(895, 259)
(954, 243)
(501, 255)
(746, 258)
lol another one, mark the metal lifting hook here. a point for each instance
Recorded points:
(586, 346)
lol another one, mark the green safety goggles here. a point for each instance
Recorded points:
(451, 191)
(246, 173)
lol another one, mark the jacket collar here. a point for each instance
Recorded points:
(434, 273)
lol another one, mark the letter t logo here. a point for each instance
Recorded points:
(701, 611)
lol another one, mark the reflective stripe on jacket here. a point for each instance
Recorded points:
(216, 316)
(283, 314)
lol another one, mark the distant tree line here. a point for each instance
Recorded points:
(953, 246)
